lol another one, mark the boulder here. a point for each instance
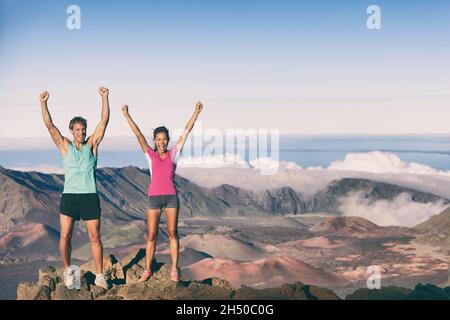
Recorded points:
(62, 293)
(32, 291)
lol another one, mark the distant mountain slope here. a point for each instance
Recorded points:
(29, 239)
(123, 191)
(33, 197)
(436, 230)
(328, 198)
(221, 246)
(356, 227)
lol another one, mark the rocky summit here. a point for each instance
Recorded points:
(124, 285)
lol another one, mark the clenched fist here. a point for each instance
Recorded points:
(103, 91)
(198, 107)
(125, 110)
(44, 96)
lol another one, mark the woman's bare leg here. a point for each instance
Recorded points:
(172, 230)
(153, 217)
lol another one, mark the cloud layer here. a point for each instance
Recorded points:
(377, 166)
(381, 162)
(401, 211)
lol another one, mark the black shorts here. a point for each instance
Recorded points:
(84, 206)
(159, 202)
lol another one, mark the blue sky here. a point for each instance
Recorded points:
(301, 67)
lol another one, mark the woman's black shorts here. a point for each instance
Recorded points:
(159, 202)
(84, 206)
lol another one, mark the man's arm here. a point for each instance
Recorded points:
(54, 132)
(141, 139)
(184, 135)
(99, 132)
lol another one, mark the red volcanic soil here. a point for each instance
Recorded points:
(263, 273)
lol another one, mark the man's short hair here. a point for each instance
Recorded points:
(79, 120)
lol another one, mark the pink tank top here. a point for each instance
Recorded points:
(162, 172)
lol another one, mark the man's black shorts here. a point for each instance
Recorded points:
(84, 206)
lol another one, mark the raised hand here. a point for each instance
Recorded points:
(44, 96)
(104, 92)
(142, 142)
(198, 107)
(189, 126)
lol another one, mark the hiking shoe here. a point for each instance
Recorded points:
(69, 278)
(101, 281)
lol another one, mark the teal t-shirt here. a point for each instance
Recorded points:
(79, 169)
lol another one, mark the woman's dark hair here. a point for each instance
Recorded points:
(158, 130)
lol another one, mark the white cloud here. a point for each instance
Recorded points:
(265, 165)
(376, 166)
(381, 162)
(41, 168)
(401, 211)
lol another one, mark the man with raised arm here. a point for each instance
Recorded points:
(80, 200)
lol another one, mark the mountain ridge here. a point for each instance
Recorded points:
(33, 197)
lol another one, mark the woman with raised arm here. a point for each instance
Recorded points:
(162, 192)
(80, 199)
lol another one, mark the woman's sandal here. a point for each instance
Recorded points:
(145, 276)
(175, 274)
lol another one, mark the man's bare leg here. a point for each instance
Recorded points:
(65, 247)
(93, 228)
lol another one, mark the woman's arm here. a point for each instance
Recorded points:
(184, 135)
(142, 142)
